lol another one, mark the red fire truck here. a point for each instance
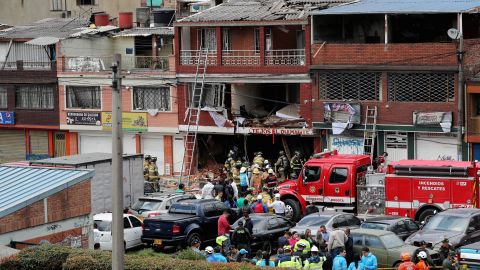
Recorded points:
(415, 188)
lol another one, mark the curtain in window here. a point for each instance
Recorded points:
(34, 97)
(151, 98)
(3, 97)
(85, 97)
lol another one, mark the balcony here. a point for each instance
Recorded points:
(103, 63)
(21, 66)
(190, 57)
(285, 57)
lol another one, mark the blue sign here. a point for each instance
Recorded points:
(6, 118)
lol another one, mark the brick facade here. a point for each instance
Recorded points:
(59, 237)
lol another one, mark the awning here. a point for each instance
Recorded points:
(43, 41)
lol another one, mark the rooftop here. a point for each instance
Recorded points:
(22, 186)
(50, 27)
(402, 7)
(261, 10)
(145, 32)
(79, 160)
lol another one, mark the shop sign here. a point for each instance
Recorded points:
(130, 121)
(444, 119)
(281, 131)
(342, 113)
(7, 118)
(84, 118)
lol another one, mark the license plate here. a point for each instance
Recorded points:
(157, 242)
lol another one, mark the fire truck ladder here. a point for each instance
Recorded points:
(370, 131)
(193, 115)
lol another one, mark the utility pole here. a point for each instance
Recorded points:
(460, 87)
(117, 167)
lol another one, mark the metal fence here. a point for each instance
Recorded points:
(285, 57)
(103, 63)
(240, 58)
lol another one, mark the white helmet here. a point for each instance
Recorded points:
(270, 171)
(277, 195)
(422, 255)
(259, 197)
(266, 161)
(209, 250)
(314, 249)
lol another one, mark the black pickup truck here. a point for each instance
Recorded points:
(185, 221)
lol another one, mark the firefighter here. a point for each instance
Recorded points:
(422, 261)
(296, 163)
(258, 159)
(315, 262)
(407, 263)
(228, 167)
(146, 165)
(256, 177)
(423, 247)
(153, 170)
(281, 166)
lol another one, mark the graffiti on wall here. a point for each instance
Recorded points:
(347, 145)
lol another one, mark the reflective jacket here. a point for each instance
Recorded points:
(289, 261)
(314, 262)
(307, 246)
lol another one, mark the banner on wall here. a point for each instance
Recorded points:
(130, 121)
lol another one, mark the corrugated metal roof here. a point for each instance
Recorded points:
(22, 186)
(79, 160)
(93, 31)
(43, 41)
(145, 32)
(261, 10)
(402, 7)
(50, 27)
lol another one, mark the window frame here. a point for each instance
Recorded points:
(4, 91)
(328, 92)
(132, 219)
(29, 87)
(305, 178)
(170, 101)
(396, 94)
(125, 219)
(226, 40)
(374, 237)
(66, 108)
(332, 173)
(56, 5)
(83, 3)
(219, 93)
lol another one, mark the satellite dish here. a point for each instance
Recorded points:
(453, 33)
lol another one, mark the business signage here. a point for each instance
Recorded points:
(442, 119)
(342, 113)
(130, 121)
(281, 131)
(7, 118)
(84, 118)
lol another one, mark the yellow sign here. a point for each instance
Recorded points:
(130, 121)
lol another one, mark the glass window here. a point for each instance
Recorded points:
(392, 241)
(353, 221)
(312, 174)
(400, 227)
(421, 87)
(272, 224)
(210, 210)
(226, 44)
(146, 205)
(3, 97)
(151, 98)
(34, 97)
(180, 208)
(313, 220)
(102, 225)
(256, 38)
(373, 241)
(447, 223)
(374, 226)
(213, 95)
(126, 223)
(57, 5)
(86, 2)
(83, 97)
(135, 222)
(339, 175)
(412, 226)
(341, 221)
(208, 39)
(357, 239)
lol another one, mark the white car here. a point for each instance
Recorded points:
(132, 229)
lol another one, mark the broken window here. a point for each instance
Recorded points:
(83, 97)
(213, 96)
(34, 97)
(145, 98)
(349, 85)
(420, 28)
(348, 28)
(208, 39)
(421, 87)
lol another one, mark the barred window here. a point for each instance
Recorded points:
(145, 98)
(421, 87)
(83, 97)
(3, 97)
(34, 97)
(349, 85)
(213, 95)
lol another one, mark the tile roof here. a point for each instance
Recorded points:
(50, 27)
(261, 10)
(145, 32)
(22, 186)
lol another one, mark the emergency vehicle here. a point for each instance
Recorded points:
(413, 188)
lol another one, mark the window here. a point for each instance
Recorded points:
(83, 97)
(411, 225)
(126, 223)
(373, 241)
(135, 222)
(268, 39)
(256, 39)
(208, 39)
(57, 5)
(226, 44)
(86, 2)
(400, 227)
(3, 97)
(357, 239)
(349, 85)
(272, 224)
(209, 210)
(340, 221)
(339, 175)
(353, 221)
(312, 174)
(34, 97)
(151, 98)
(213, 96)
(421, 87)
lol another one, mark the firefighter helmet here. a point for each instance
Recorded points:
(406, 256)
(422, 255)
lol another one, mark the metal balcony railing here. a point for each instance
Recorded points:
(31, 65)
(241, 58)
(285, 57)
(103, 63)
(157, 63)
(190, 57)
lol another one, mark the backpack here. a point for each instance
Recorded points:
(258, 207)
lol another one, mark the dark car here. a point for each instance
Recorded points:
(267, 228)
(327, 218)
(461, 226)
(403, 227)
(185, 222)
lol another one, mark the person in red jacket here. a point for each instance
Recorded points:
(223, 225)
(407, 263)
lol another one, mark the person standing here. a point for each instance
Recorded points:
(259, 206)
(284, 240)
(223, 225)
(450, 263)
(445, 249)
(278, 206)
(241, 237)
(146, 167)
(288, 260)
(368, 259)
(247, 221)
(243, 180)
(322, 238)
(407, 263)
(208, 190)
(349, 247)
(339, 261)
(281, 166)
(423, 247)
(316, 260)
(336, 241)
(296, 163)
(308, 237)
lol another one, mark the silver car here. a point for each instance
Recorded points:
(315, 220)
(155, 205)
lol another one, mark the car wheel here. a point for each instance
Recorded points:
(427, 214)
(192, 237)
(292, 210)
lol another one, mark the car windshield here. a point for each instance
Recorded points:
(392, 241)
(313, 220)
(102, 225)
(146, 205)
(180, 208)
(447, 223)
(373, 225)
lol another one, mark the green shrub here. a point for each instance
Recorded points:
(188, 254)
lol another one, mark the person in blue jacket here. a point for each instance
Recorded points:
(215, 255)
(339, 262)
(368, 259)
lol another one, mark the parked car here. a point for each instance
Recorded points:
(470, 256)
(132, 230)
(267, 228)
(401, 226)
(155, 205)
(461, 226)
(327, 218)
(386, 246)
(186, 221)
